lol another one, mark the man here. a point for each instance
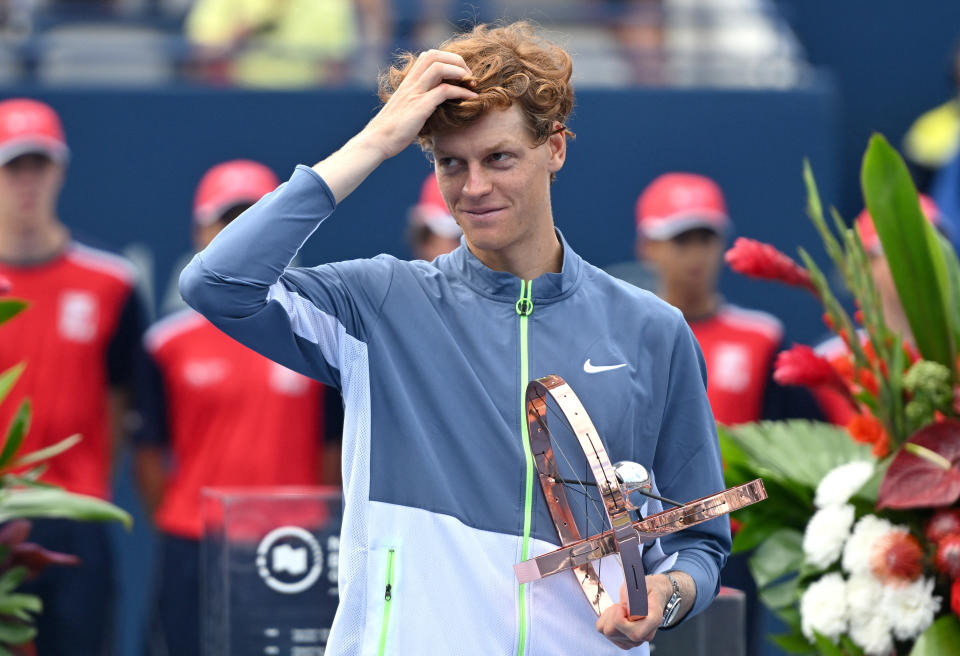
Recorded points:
(433, 359)
(431, 230)
(79, 338)
(219, 415)
(682, 224)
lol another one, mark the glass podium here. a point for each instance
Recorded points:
(269, 570)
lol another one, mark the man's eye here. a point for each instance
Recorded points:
(447, 162)
(499, 157)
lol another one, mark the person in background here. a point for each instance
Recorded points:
(79, 338)
(682, 228)
(835, 407)
(218, 414)
(431, 229)
(283, 43)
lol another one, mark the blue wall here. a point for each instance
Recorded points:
(138, 155)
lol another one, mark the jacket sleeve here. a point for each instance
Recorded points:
(688, 467)
(307, 319)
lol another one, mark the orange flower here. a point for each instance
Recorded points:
(867, 429)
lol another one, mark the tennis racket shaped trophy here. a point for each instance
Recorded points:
(568, 453)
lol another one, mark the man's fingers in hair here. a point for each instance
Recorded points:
(444, 92)
(430, 57)
(437, 72)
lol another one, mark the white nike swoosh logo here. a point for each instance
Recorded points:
(596, 369)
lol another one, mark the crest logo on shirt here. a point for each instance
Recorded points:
(729, 367)
(203, 373)
(289, 559)
(78, 315)
(288, 381)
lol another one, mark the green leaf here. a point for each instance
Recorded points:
(826, 646)
(850, 648)
(16, 634)
(54, 502)
(12, 578)
(779, 555)
(912, 250)
(941, 637)
(47, 452)
(17, 429)
(11, 307)
(953, 280)
(9, 377)
(15, 604)
(793, 642)
(780, 595)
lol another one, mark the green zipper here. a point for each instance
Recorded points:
(387, 600)
(525, 309)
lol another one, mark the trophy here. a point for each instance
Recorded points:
(607, 497)
(269, 563)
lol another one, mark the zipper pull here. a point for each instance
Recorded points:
(389, 593)
(525, 303)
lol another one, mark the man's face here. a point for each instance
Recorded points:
(497, 185)
(689, 261)
(29, 186)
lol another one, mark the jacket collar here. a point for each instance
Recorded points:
(502, 286)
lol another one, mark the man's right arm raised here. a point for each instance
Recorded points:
(241, 281)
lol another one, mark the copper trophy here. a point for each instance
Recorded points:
(614, 484)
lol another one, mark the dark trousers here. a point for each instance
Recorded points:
(78, 602)
(176, 619)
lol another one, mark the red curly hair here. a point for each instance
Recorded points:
(511, 64)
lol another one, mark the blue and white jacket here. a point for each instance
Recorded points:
(433, 359)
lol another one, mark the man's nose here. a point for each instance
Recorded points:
(477, 182)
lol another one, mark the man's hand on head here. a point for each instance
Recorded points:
(425, 88)
(398, 122)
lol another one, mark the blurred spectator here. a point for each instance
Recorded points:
(835, 407)
(79, 337)
(682, 225)
(219, 415)
(431, 229)
(934, 138)
(282, 43)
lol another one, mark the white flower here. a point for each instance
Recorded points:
(841, 483)
(823, 607)
(910, 608)
(872, 634)
(863, 594)
(856, 554)
(826, 533)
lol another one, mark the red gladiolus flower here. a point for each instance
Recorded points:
(943, 523)
(896, 557)
(800, 365)
(947, 559)
(867, 429)
(955, 597)
(5, 285)
(829, 321)
(758, 260)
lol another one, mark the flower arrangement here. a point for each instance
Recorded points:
(24, 495)
(858, 548)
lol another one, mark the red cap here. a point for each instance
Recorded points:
(868, 233)
(30, 126)
(431, 210)
(229, 184)
(678, 202)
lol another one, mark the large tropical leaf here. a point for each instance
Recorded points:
(797, 451)
(780, 555)
(54, 502)
(912, 250)
(942, 637)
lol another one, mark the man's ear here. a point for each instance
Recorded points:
(557, 146)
